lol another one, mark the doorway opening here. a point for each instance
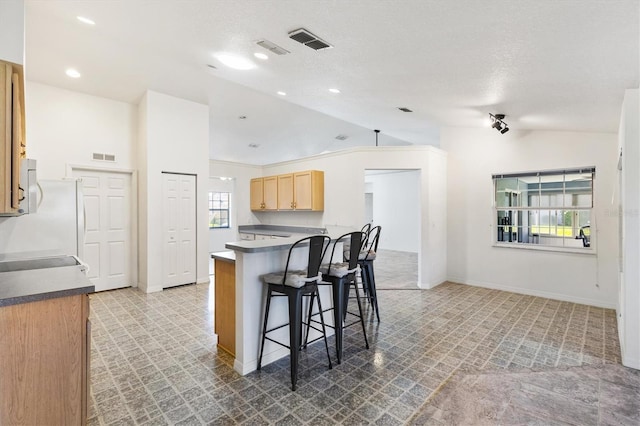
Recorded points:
(392, 200)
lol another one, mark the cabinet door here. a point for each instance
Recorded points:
(285, 192)
(271, 193)
(309, 190)
(5, 137)
(256, 190)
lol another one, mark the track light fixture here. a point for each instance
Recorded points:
(498, 123)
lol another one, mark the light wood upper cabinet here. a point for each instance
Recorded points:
(12, 135)
(309, 190)
(285, 192)
(264, 193)
(292, 191)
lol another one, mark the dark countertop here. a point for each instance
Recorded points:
(226, 256)
(21, 284)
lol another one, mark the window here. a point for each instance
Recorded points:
(550, 208)
(219, 205)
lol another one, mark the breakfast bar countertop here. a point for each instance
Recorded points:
(256, 246)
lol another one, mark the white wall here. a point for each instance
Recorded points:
(12, 31)
(396, 207)
(476, 154)
(629, 282)
(176, 135)
(65, 127)
(218, 237)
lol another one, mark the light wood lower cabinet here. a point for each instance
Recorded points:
(225, 309)
(44, 362)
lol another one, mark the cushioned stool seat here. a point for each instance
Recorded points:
(295, 279)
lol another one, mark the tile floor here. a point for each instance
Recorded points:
(396, 270)
(153, 359)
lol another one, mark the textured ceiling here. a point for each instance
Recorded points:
(546, 64)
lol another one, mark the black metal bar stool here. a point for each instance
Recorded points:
(294, 284)
(342, 277)
(365, 260)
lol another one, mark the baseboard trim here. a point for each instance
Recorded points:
(248, 367)
(530, 292)
(202, 280)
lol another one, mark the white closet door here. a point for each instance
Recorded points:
(108, 239)
(179, 229)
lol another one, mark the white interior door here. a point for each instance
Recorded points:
(179, 229)
(108, 238)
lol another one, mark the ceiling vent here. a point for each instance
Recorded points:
(404, 109)
(272, 47)
(305, 37)
(342, 137)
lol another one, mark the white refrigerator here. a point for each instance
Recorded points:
(57, 228)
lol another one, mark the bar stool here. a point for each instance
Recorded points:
(342, 276)
(365, 261)
(294, 284)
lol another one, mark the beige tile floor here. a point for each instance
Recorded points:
(153, 359)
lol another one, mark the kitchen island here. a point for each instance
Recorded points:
(45, 341)
(252, 260)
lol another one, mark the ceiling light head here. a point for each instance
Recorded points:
(234, 61)
(496, 122)
(85, 20)
(73, 73)
(261, 55)
(332, 90)
(281, 93)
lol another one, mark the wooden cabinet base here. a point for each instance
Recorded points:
(44, 352)
(225, 310)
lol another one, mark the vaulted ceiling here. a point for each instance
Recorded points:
(546, 64)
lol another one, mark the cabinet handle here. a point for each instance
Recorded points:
(292, 204)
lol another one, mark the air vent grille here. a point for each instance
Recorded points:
(272, 47)
(305, 37)
(98, 156)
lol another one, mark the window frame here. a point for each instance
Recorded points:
(503, 207)
(213, 209)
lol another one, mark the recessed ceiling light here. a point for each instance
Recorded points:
(243, 117)
(282, 94)
(334, 90)
(262, 56)
(86, 20)
(235, 62)
(73, 73)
